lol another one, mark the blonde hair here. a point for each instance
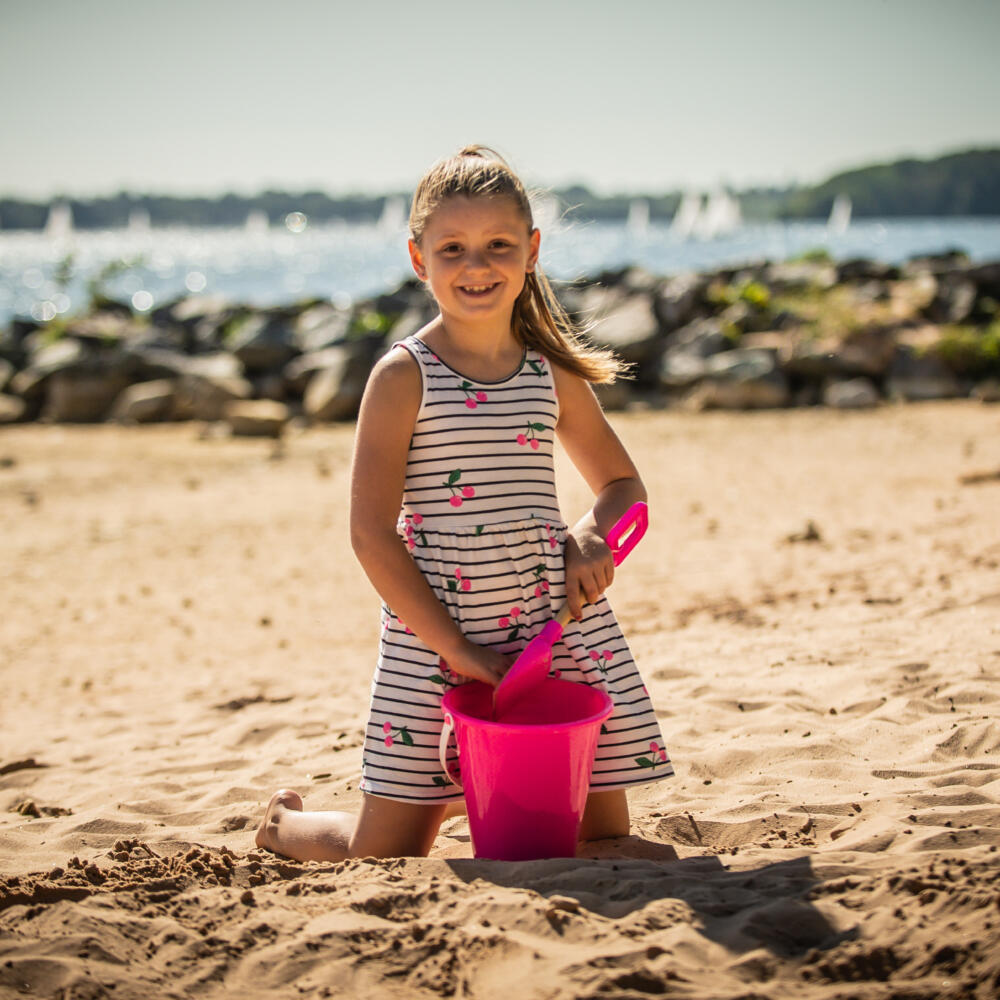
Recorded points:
(538, 320)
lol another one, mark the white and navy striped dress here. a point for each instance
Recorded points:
(482, 522)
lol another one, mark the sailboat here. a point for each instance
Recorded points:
(686, 217)
(637, 222)
(840, 215)
(393, 215)
(721, 215)
(59, 223)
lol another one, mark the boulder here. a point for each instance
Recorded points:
(262, 342)
(334, 392)
(12, 409)
(45, 361)
(867, 351)
(742, 379)
(683, 363)
(953, 300)
(257, 417)
(851, 394)
(795, 275)
(81, 397)
(987, 391)
(986, 278)
(914, 376)
(320, 326)
(145, 402)
(864, 269)
(679, 300)
(6, 373)
(614, 396)
(207, 383)
(631, 330)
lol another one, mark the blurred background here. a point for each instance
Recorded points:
(265, 152)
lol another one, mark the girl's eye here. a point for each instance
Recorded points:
(500, 244)
(450, 248)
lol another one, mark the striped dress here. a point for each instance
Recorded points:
(482, 522)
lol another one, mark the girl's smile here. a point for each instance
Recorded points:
(474, 254)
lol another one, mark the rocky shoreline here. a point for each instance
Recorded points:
(848, 334)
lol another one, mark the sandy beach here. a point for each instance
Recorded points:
(815, 610)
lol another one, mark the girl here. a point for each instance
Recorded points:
(455, 520)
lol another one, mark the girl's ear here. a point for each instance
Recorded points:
(533, 243)
(417, 260)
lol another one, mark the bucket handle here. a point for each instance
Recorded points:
(446, 731)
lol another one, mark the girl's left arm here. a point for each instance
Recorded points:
(605, 465)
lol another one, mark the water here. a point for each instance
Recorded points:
(45, 276)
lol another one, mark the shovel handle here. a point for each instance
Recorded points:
(628, 530)
(622, 539)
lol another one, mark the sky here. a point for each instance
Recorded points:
(207, 96)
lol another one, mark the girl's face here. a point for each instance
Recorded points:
(474, 255)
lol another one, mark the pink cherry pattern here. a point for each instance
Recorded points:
(512, 623)
(473, 397)
(657, 756)
(458, 494)
(460, 582)
(531, 437)
(392, 733)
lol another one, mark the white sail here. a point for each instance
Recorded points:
(393, 215)
(722, 215)
(638, 217)
(686, 217)
(59, 224)
(840, 215)
(256, 222)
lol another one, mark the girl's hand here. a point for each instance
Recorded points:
(478, 663)
(590, 568)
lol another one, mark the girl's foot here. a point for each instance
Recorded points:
(281, 802)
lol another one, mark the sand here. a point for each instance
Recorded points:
(816, 611)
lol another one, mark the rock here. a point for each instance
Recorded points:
(986, 278)
(207, 385)
(262, 342)
(299, 372)
(627, 325)
(334, 393)
(270, 386)
(702, 338)
(257, 417)
(320, 326)
(45, 361)
(987, 391)
(81, 397)
(679, 300)
(6, 373)
(940, 263)
(852, 394)
(614, 396)
(145, 402)
(953, 301)
(799, 275)
(914, 377)
(867, 351)
(863, 269)
(12, 409)
(740, 380)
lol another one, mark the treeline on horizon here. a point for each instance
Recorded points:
(959, 184)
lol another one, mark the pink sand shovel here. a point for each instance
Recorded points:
(532, 666)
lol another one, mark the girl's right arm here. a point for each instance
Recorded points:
(382, 442)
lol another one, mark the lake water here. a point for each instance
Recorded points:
(45, 275)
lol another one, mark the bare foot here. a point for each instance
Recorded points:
(280, 803)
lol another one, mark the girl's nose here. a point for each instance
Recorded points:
(475, 260)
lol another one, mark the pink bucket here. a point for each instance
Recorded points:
(525, 778)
